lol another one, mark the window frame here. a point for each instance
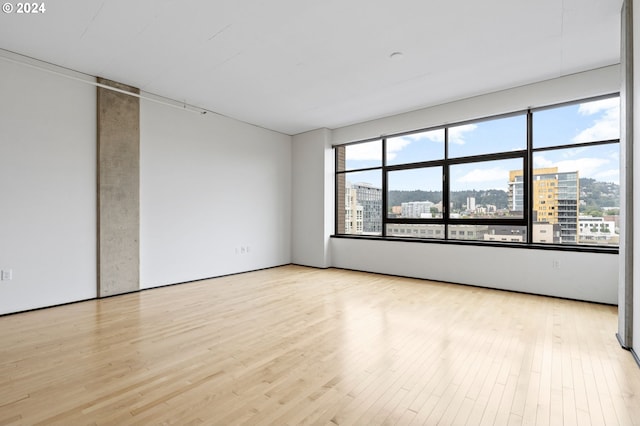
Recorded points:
(526, 155)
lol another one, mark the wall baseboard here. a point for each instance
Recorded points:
(621, 342)
(140, 290)
(633, 352)
(635, 356)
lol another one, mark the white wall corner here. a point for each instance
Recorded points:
(312, 198)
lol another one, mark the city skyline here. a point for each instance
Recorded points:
(556, 214)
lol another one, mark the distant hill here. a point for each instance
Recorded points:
(459, 198)
(595, 195)
(398, 197)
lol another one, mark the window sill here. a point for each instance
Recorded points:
(533, 246)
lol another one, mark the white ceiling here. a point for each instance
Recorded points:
(298, 65)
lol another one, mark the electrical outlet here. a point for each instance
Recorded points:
(556, 264)
(6, 275)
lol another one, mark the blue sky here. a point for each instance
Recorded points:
(591, 121)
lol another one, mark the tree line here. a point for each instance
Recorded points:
(596, 197)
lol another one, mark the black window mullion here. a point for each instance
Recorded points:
(336, 192)
(487, 157)
(527, 177)
(421, 165)
(445, 184)
(576, 145)
(385, 188)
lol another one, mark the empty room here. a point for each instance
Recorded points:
(302, 212)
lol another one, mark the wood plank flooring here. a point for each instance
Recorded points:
(295, 345)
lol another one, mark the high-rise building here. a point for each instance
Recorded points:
(363, 208)
(471, 204)
(418, 209)
(353, 213)
(555, 199)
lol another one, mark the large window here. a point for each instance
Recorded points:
(542, 176)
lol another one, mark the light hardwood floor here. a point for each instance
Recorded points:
(295, 345)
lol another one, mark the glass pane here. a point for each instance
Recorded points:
(577, 191)
(488, 137)
(417, 230)
(425, 146)
(585, 122)
(360, 203)
(415, 193)
(502, 233)
(359, 156)
(486, 189)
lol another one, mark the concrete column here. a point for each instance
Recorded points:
(118, 189)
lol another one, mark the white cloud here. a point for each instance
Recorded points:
(365, 151)
(587, 167)
(606, 126)
(594, 107)
(456, 134)
(611, 175)
(396, 145)
(434, 135)
(485, 175)
(540, 162)
(575, 152)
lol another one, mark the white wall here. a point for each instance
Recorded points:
(312, 224)
(47, 188)
(584, 276)
(210, 185)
